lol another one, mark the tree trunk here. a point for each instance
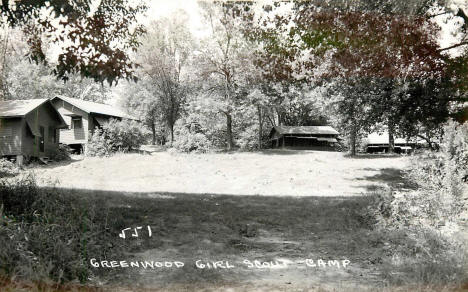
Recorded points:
(391, 137)
(353, 139)
(4, 49)
(278, 115)
(260, 126)
(428, 141)
(171, 129)
(229, 141)
(153, 132)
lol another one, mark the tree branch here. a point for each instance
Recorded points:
(438, 14)
(454, 46)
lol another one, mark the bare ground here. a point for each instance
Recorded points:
(295, 206)
(271, 173)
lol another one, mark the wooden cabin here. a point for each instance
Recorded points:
(29, 128)
(303, 137)
(82, 117)
(379, 143)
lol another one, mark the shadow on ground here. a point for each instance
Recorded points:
(394, 177)
(211, 227)
(287, 151)
(372, 156)
(53, 164)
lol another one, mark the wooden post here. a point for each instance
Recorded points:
(282, 142)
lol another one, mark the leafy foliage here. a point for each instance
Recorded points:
(421, 222)
(94, 37)
(393, 61)
(8, 168)
(191, 141)
(124, 135)
(164, 57)
(442, 186)
(62, 153)
(98, 146)
(247, 139)
(225, 62)
(116, 136)
(47, 234)
(25, 80)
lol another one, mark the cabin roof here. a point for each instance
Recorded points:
(19, 108)
(95, 107)
(311, 130)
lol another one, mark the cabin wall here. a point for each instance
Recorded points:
(43, 116)
(95, 124)
(72, 136)
(10, 136)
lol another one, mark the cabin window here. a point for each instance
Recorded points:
(77, 123)
(5, 130)
(52, 137)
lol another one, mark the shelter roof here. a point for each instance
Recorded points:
(312, 130)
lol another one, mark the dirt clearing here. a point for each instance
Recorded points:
(297, 206)
(272, 173)
(201, 229)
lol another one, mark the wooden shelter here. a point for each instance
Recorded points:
(379, 143)
(303, 137)
(82, 117)
(28, 128)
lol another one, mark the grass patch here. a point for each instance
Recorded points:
(46, 233)
(422, 257)
(7, 285)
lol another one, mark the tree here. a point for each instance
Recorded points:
(141, 101)
(260, 101)
(164, 56)
(93, 37)
(22, 79)
(225, 60)
(163, 84)
(387, 51)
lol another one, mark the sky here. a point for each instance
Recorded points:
(162, 8)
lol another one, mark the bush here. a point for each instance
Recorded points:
(424, 257)
(442, 187)
(47, 234)
(427, 218)
(124, 135)
(98, 145)
(8, 168)
(189, 140)
(116, 136)
(61, 153)
(248, 139)
(442, 177)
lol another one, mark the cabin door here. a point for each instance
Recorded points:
(41, 139)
